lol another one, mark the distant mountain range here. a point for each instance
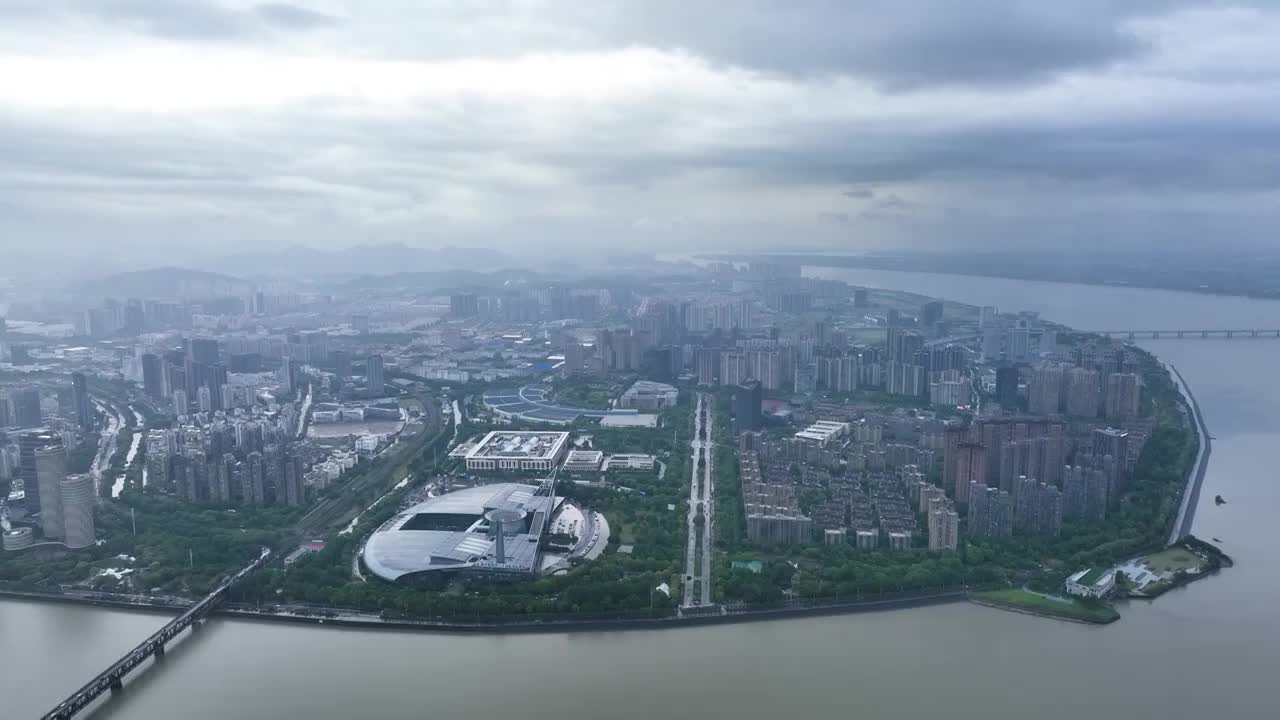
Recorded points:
(385, 259)
(165, 282)
(441, 280)
(360, 266)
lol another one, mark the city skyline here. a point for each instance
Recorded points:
(740, 442)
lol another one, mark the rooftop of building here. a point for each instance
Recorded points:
(528, 444)
(823, 431)
(1090, 576)
(649, 387)
(451, 532)
(634, 420)
(754, 510)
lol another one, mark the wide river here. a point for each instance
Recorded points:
(1208, 651)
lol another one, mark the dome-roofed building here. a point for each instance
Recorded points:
(458, 531)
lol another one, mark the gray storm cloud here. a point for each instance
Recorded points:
(226, 125)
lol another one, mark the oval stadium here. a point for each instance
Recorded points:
(460, 532)
(531, 402)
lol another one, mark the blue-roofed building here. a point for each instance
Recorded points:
(530, 403)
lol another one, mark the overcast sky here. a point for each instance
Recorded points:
(181, 129)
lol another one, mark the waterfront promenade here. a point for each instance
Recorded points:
(1195, 474)
(719, 615)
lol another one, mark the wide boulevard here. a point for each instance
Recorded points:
(697, 575)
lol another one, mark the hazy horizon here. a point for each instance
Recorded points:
(142, 133)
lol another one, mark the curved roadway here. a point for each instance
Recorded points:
(1195, 475)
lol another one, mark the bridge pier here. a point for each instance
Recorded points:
(1229, 334)
(1255, 333)
(1205, 334)
(112, 679)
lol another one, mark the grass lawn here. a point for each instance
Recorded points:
(590, 395)
(1076, 609)
(1173, 559)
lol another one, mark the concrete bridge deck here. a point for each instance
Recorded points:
(112, 679)
(1186, 334)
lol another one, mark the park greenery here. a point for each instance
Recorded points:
(1189, 560)
(731, 517)
(177, 549)
(1083, 609)
(584, 393)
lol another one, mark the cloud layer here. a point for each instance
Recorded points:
(196, 127)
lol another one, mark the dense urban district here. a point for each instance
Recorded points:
(687, 441)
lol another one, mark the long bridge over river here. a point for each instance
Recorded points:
(1198, 334)
(112, 679)
(1184, 334)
